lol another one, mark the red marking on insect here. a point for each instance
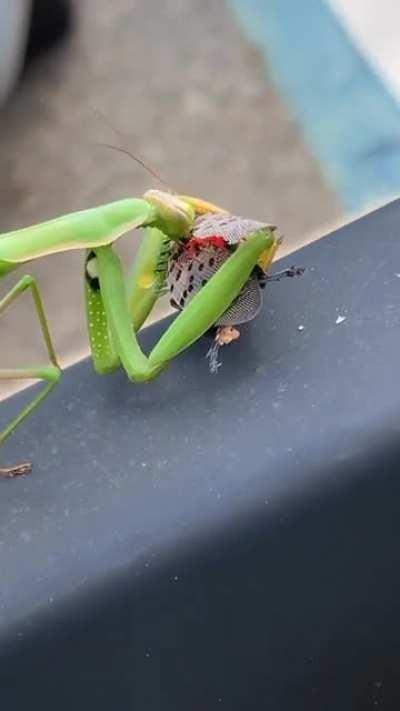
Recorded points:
(195, 244)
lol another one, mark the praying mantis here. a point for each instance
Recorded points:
(213, 265)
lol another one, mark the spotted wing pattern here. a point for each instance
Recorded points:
(232, 228)
(191, 267)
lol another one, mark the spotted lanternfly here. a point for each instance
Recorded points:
(213, 239)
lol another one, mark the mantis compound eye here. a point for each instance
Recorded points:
(173, 216)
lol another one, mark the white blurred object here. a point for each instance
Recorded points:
(375, 29)
(14, 26)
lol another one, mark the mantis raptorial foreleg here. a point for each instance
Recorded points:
(50, 373)
(193, 322)
(147, 278)
(143, 288)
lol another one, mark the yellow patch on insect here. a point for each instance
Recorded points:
(147, 281)
(202, 207)
(267, 256)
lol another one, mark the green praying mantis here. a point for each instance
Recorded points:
(212, 264)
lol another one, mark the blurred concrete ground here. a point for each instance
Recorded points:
(186, 92)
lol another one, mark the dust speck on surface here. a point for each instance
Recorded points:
(340, 319)
(25, 536)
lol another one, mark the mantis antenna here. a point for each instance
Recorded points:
(140, 162)
(120, 149)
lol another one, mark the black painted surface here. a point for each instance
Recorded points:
(220, 542)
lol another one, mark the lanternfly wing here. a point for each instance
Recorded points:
(213, 239)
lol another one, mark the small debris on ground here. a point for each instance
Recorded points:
(340, 319)
(227, 334)
(300, 328)
(18, 470)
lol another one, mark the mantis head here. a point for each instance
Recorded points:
(175, 214)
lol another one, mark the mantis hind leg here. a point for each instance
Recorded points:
(50, 374)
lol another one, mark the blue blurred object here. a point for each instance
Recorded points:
(348, 116)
